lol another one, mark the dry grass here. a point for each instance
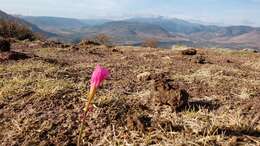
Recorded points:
(41, 98)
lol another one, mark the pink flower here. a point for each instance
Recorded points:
(98, 76)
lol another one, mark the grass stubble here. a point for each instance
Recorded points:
(41, 99)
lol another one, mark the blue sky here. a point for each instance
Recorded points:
(227, 12)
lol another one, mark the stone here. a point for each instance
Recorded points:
(189, 52)
(200, 60)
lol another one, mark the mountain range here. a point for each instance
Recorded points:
(168, 31)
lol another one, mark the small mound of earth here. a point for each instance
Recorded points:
(121, 112)
(169, 92)
(189, 52)
(165, 91)
(11, 55)
(132, 113)
(138, 114)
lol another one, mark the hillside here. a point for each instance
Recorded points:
(54, 23)
(172, 25)
(251, 39)
(122, 31)
(152, 97)
(206, 35)
(32, 27)
(169, 31)
(185, 27)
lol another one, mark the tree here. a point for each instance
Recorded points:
(150, 42)
(102, 39)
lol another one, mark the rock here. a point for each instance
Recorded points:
(250, 50)
(200, 59)
(4, 45)
(168, 92)
(144, 76)
(229, 61)
(255, 51)
(189, 52)
(115, 50)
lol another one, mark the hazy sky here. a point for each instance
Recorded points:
(246, 12)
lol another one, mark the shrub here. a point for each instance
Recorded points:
(103, 39)
(150, 42)
(4, 45)
(89, 42)
(12, 29)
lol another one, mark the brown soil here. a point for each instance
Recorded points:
(152, 97)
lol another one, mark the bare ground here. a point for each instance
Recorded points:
(41, 97)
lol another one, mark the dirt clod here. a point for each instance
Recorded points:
(169, 92)
(189, 52)
(200, 59)
(229, 61)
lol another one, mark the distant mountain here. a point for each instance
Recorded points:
(171, 25)
(32, 27)
(54, 23)
(184, 27)
(94, 22)
(128, 31)
(168, 31)
(63, 26)
(249, 39)
(199, 34)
